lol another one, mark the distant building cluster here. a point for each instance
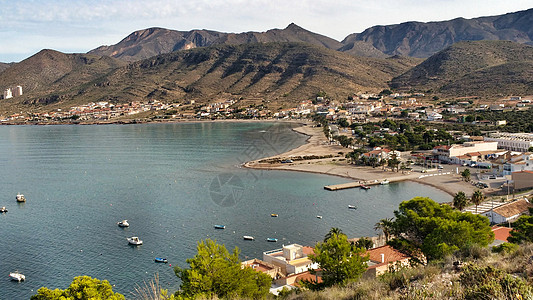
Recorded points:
(12, 92)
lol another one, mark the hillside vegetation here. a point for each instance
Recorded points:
(278, 72)
(473, 68)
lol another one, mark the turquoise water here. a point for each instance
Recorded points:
(172, 182)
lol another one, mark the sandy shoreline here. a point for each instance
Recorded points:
(318, 146)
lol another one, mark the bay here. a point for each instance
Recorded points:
(172, 182)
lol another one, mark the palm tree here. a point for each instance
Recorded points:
(333, 231)
(477, 198)
(460, 200)
(386, 226)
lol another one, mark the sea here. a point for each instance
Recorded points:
(173, 182)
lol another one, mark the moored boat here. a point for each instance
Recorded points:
(319, 217)
(272, 240)
(248, 237)
(365, 187)
(274, 215)
(123, 223)
(134, 240)
(220, 226)
(16, 276)
(383, 182)
(21, 198)
(352, 207)
(3, 209)
(160, 260)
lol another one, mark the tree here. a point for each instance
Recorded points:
(215, 272)
(477, 198)
(343, 122)
(386, 226)
(82, 287)
(523, 229)
(339, 262)
(460, 201)
(530, 149)
(364, 243)
(466, 174)
(332, 231)
(437, 230)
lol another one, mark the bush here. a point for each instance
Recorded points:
(505, 248)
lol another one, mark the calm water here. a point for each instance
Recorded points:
(173, 182)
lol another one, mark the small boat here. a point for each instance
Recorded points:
(123, 223)
(319, 217)
(160, 260)
(3, 209)
(272, 240)
(16, 276)
(248, 237)
(21, 198)
(134, 240)
(386, 181)
(365, 187)
(352, 207)
(220, 226)
(274, 215)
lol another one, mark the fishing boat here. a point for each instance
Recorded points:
(16, 276)
(386, 181)
(3, 209)
(248, 237)
(272, 240)
(160, 260)
(220, 226)
(319, 217)
(21, 198)
(274, 215)
(352, 207)
(365, 187)
(134, 241)
(123, 223)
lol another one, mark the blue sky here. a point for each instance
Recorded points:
(27, 26)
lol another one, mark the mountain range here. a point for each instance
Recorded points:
(284, 65)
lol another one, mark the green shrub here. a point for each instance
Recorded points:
(505, 248)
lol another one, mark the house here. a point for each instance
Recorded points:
(382, 259)
(291, 259)
(512, 141)
(381, 154)
(446, 153)
(508, 212)
(501, 235)
(522, 179)
(263, 267)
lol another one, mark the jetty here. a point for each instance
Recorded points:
(358, 184)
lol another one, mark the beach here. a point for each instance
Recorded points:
(317, 155)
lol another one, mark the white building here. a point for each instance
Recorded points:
(508, 212)
(291, 259)
(432, 116)
(8, 94)
(512, 141)
(446, 153)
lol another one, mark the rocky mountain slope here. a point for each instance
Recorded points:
(424, 39)
(474, 68)
(154, 41)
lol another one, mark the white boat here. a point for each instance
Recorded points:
(352, 207)
(3, 209)
(123, 223)
(386, 181)
(248, 237)
(21, 198)
(134, 240)
(319, 217)
(16, 276)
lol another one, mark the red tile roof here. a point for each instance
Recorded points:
(501, 233)
(390, 255)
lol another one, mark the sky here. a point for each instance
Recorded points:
(74, 26)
